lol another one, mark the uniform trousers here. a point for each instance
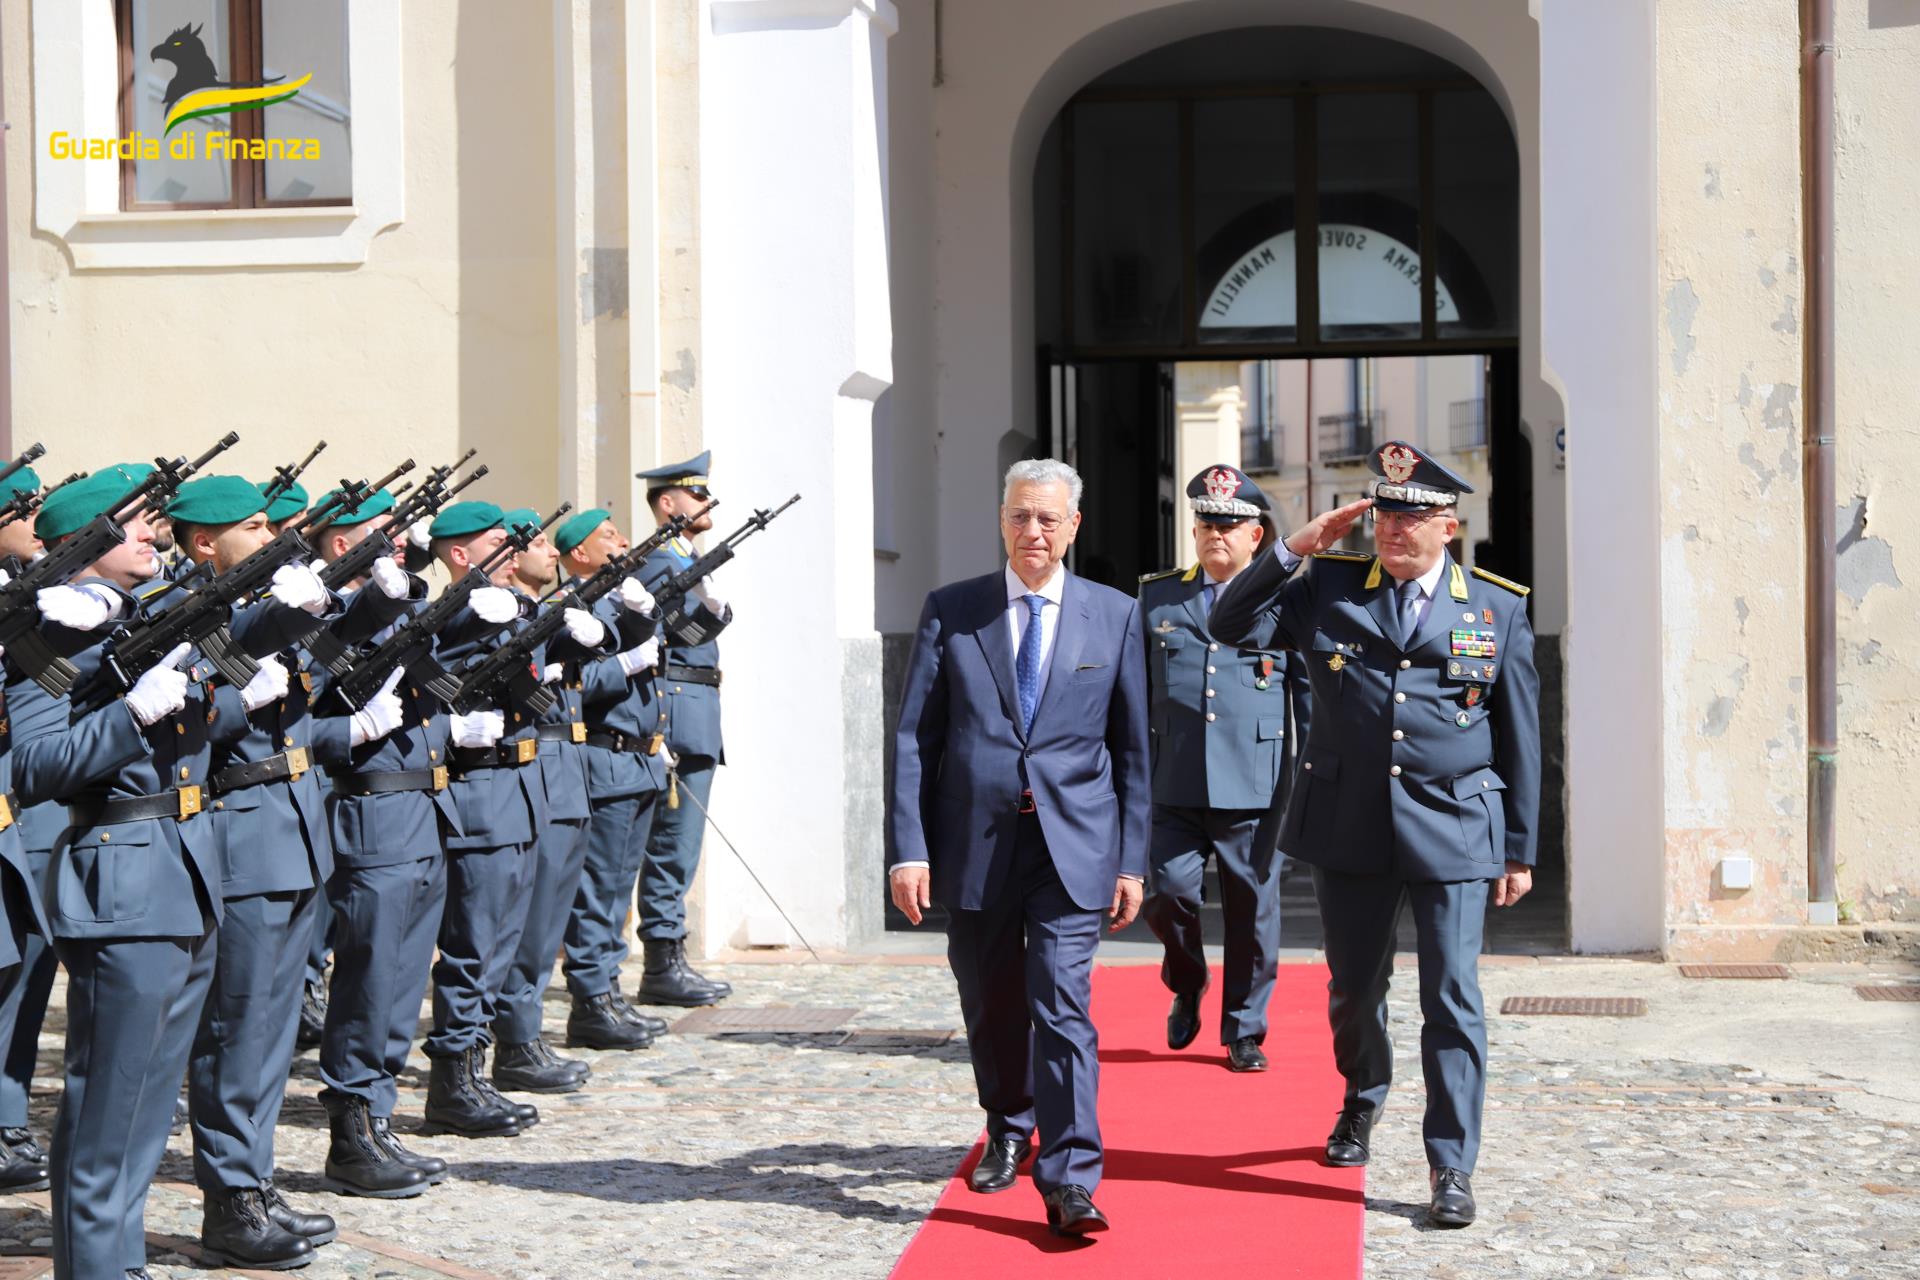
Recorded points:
(673, 853)
(244, 1047)
(559, 853)
(320, 940)
(616, 846)
(1250, 904)
(1359, 915)
(24, 990)
(479, 936)
(1024, 967)
(385, 922)
(133, 1006)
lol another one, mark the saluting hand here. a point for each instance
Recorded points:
(1324, 531)
(1514, 885)
(1128, 894)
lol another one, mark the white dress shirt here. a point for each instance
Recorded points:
(1429, 583)
(1053, 591)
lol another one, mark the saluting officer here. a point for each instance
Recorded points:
(1419, 785)
(1222, 751)
(689, 689)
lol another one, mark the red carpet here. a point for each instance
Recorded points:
(1208, 1172)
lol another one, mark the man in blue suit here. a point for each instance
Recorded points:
(1419, 786)
(1021, 802)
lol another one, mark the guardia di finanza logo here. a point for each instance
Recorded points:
(195, 91)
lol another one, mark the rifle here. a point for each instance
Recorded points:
(23, 504)
(509, 669)
(284, 477)
(71, 555)
(201, 619)
(410, 647)
(672, 590)
(32, 453)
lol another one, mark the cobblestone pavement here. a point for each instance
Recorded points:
(1742, 1129)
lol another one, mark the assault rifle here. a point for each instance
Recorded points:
(67, 558)
(201, 619)
(509, 669)
(24, 504)
(671, 592)
(285, 477)
(410, 647)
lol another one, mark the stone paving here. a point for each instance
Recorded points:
(1740, 1130)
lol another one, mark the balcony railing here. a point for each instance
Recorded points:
(1346, 437)
(1259, 446)
(1467, 424)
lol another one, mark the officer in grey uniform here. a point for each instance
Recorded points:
(689, 687)
(1224, 721)
(1419, 785)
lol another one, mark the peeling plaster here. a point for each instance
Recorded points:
(1745, 395)
(1788, 320)
(1740, 608)
(1760, 469)
(1865, 562)
(1711, 187)
(1778, 414)
(1719, 716)
(681, 377)
(1869, 651)
(1683, 304)
(603, 284)
(1767, 278)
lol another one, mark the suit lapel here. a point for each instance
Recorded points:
(991, 632)
(1196, 602)
(1381, 602)
(1068, 641)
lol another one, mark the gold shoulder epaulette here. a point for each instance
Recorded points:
(1145, 578)
(1499, 581)
(1351, 557)
(160, 586)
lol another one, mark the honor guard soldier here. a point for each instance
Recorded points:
(626, 776)
(135, 888)
(689, 688)
(1223, 721)
(17, 538)
(290, 502)
(1419, 786)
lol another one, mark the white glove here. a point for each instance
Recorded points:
(81, 608)
(586, 630)
(481, 729)
(553, 673)
(635, 596)
(390, 578)
(641, 657)
(673, 761)
(494, 604)
(298, 587)
(269, 684)
(161, 691)
(703, 592)
(418, 534)
(380, 717)
(5, 577)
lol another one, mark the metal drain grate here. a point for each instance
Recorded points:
(881, 1039)
(1735, 971)
(798, 1022)
(1576, 1006)
(1906, 992)
(24, 1268)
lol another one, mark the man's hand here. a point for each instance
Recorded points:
(1128, 894)
(1325, 530)
(1514, 885)
(912, 891)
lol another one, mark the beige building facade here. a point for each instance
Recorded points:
(822, 238)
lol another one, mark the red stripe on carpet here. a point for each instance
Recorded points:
(1207, 1172)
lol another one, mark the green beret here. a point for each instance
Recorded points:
(378, 503)
(68, 510)
(21, 481)
(213, 500)
(287, 505)
(464, 519)
(520, 517)
(573, 532)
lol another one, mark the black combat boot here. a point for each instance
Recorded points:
(667, 980)
(433, 1166)
(656, 1027)
(594, 1023)
(313, 1016)
(23, 1165)
(534, 1068)
(455, 1106)
(524, 1114)
(358, 1163)
(315, 1228)
(235, 1231)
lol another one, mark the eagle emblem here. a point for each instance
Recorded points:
(1222, 483)
(1398, 462)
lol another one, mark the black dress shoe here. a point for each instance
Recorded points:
(237, 1232)
(666, 979)
(432, 1167)
(1347, 1144)
(595, 1024)
(999, 1164)
(1244, 1055)
(1183, 1020)
(1452, 1204)
(1070, 1212)
(23, 1165)
(313, 1016)
(533, 1068)
(315, 1228)
(655, 1026)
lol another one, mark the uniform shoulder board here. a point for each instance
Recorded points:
(158, 587)
(1145, 578)
(1499, 581)
(1350, 557)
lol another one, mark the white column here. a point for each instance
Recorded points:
(797, 341)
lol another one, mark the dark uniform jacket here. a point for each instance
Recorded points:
(612, 701)
(692, 710)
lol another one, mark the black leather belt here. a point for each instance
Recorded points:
(9, 810)
(288, 765)
(694, 675)
(373, 784)
(181, 803)
(571, 732)
(613, 740)
(503, 755)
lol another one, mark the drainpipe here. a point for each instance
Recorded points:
(1823, 694)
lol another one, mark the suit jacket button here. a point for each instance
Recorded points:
(1405, 663)
(1395, 771)
(1210, 693)
(1213, 648)
(1212, 670)
(1307, 765)
(1210, 720)
(1399, 697)
(1398, 734)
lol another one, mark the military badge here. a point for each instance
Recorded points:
(1221, 483)
(1166, 625)
(1486, 672)
(1397, 462)
(1487, 614)
(1474, 694)
(1469, 642)
(1463, 719)
(1337, 662)
(1265, 678)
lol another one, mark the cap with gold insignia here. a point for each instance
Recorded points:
(1411, 480)
(210, 500)
(578, 529)
(463, 519)
(67, 510)
(378, 503)
(1223, 494)
(691, 474)
(291, 502)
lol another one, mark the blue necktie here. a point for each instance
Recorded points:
(1409, 612)
(1029, 669)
